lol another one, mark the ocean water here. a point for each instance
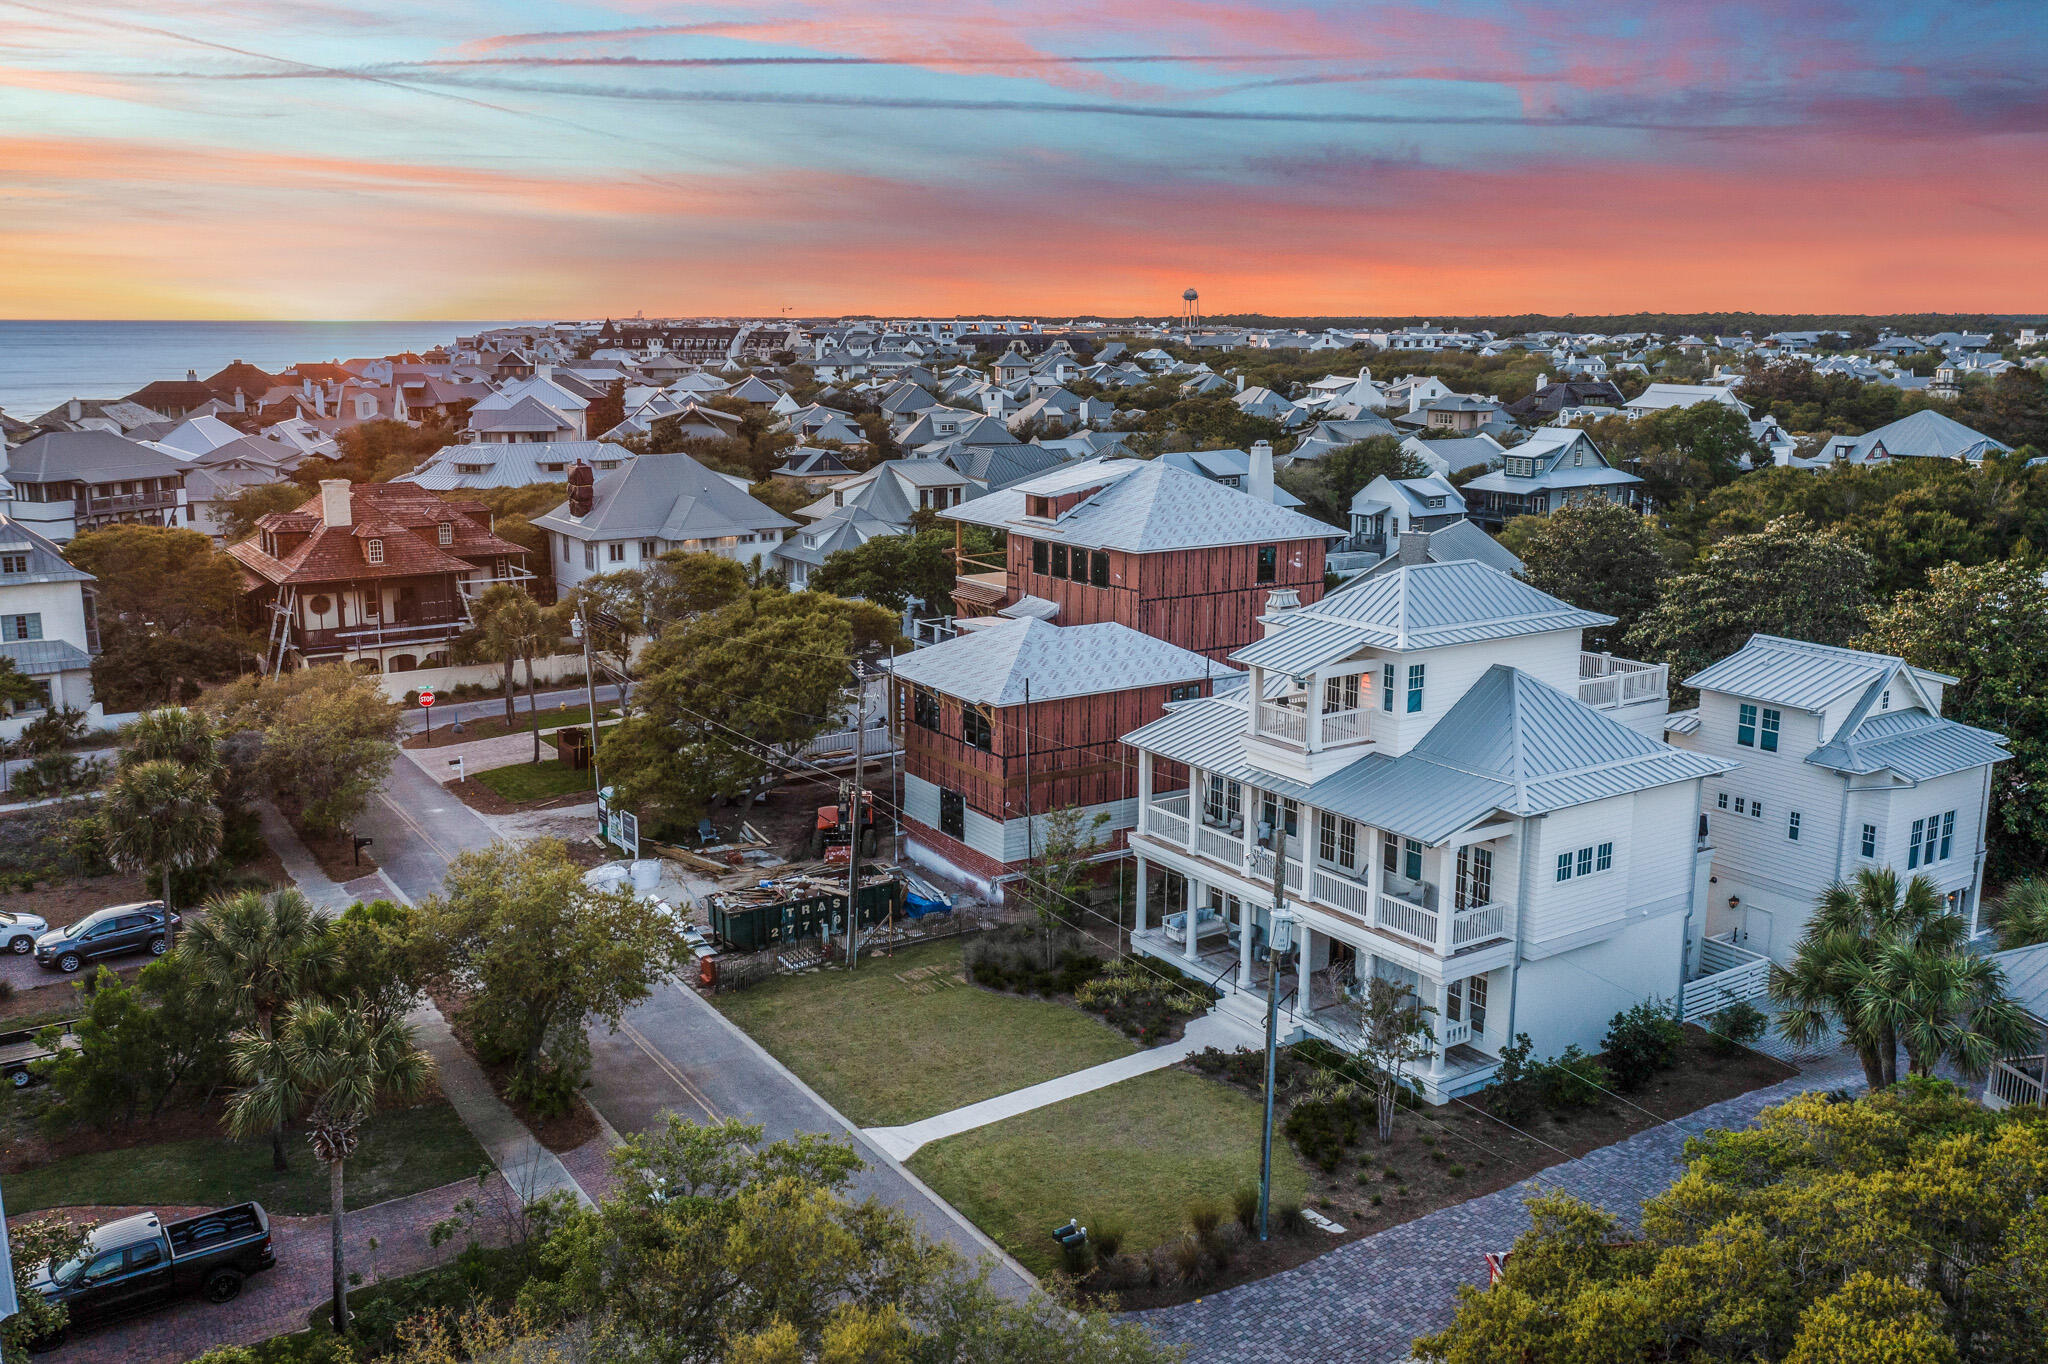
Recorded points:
(46, 363)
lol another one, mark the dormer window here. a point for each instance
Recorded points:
(13, 563)
(373, 551)
(1519, 467)
(447, 532)
(1039, 505)
(1884, 702)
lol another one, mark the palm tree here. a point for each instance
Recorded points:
(160, 815)
(504, 618)
(331, 1063)
(173, 734)
(2021, 917)
(260, 953)
(1887, 966)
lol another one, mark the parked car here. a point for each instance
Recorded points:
(105, 933)
(141, 1262)
(19, 1051)
(18, 932)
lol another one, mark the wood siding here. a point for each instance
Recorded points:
(1076, 754)
(1205, 600)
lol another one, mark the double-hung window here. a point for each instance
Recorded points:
(1948, 833)
(1414, 687)
(1913, 844)
(1387, 686)
(24, 625)
(1792, 826)
(1870, 840)
(1745, 725)
(1273, 811)
(1585, 862)
(1769, 735)
(1564, 866)
(1410, 857)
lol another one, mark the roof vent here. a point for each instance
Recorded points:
(1283, 599)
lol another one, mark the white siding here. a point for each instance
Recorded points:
(1573, 996)
(1551, 658)
(1123, 814)
(1557, 909)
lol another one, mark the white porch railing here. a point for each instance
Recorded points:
(1221, 844)
(1729, 974)
(1407, 918)
(1344, 727)
(1450, 1035)
(1477, 924)
(2017, 1080)
(1342, 894)
(1283, 722)
(1607, 681)
(1164, 822)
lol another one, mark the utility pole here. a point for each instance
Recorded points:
(1277, 942)
(855, 813)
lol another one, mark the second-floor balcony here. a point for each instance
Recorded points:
(118, 503)
(1410, 911)
(1294, 723)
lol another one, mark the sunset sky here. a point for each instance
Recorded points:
(509, 158)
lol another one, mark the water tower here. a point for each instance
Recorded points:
(1190, 310)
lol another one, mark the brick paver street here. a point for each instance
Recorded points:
(1368, 1300)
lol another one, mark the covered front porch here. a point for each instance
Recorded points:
(1223, 944)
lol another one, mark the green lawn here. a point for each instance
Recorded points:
(1136, 1153)
(403, 1151)
(535, 781)
(902, 1038)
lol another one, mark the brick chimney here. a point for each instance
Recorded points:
(334, 502)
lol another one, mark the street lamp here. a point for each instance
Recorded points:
(1279, 945)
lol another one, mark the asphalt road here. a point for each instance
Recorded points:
(675, 1052)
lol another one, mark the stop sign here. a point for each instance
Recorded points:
(426, 698)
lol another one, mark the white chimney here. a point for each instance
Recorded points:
(191, 376)
(77, 409)
(334, 502)
(1260, 477)
(1542, 382)
(240, 402)
(543, 371)
(1240, 383)
(1415, 399)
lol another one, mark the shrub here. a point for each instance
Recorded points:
(1642, 1041)
(1021, 961)
(1323, 1129)
(1148, 1001)
(1377, 1200)
(1456, 1172)
(1109, 1239)
(1735, 1027)
(1513, 1095)
(1571, 1080)
(1287, 1218)
(1244, 1206)
(1190, 1260)
(1204, 1216)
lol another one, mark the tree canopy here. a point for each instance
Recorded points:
(167, 602)
(720, 693)
(1903, 1228)
(1599, 556)
(240, 513)
(327, 736)
(1327, 485)
(1786, 579)
(1987, 627)
(890, 569)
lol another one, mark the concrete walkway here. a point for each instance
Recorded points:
(1210, 1030)
(479, 755)
(528, 1167)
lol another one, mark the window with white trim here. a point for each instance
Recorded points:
(1387, 686)
(373, 551)
(1870, 840)
(1792, 826)
(1587, 861)
(1415, 687)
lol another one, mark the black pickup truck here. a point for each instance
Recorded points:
(141, 1262)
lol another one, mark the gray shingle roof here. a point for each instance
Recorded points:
(1143, 507)
(666, 496)
(1793, 672)
(992, 666)
(1415, 606)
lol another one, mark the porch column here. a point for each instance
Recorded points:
(1436, 861)
(1145, 784)
(1193, 910)
(1245, 923)
(1440, 1000)
(1312, 723)
(1302, 1002)
(1144, 875)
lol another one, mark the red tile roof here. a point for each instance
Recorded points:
(405, 516)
